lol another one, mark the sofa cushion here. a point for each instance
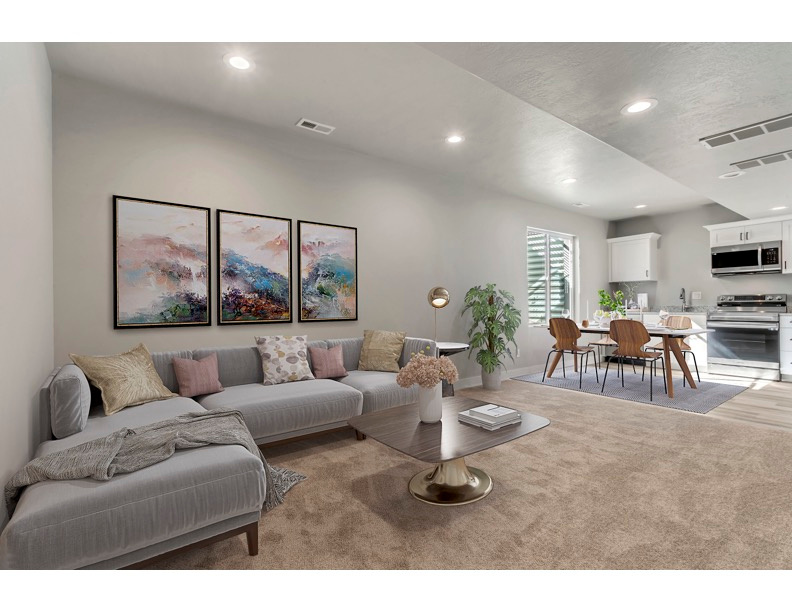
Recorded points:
(278, 409)
(416, 345)
(73, 523)
(70, 401)
(240, 365)
(163, 363)
(284, 359)
(350, 347)
(380, 390)
(327, 362)
(381, 350)
(125, 380)
(197, 376)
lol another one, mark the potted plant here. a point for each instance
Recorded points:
(495, 321)
(612, 304)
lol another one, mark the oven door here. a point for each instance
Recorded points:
(743, 343)
(737, 259)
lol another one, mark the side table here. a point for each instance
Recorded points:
(444, 349)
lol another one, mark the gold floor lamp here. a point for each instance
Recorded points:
(438, 298)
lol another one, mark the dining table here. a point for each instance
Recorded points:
(669, 347)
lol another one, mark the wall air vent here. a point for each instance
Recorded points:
(747, 131)
(315, 126)
(765, 160)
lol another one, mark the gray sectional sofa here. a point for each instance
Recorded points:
(199, 495)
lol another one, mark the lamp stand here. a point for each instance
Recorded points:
(435, 335)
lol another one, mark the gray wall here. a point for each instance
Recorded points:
(416, 229)
(26, 318)
(684, 258)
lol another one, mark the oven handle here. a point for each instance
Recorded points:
(741, 325)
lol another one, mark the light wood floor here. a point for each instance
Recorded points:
(764, 402)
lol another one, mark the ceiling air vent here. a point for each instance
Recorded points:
(765, 160)
(747, 131)
(315, 126)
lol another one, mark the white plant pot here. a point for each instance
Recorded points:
(491, 382)
(430, 403)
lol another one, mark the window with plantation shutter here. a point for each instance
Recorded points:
(550, 275)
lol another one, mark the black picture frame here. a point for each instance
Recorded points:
(117, 299)
(220, 319)
(299, 276)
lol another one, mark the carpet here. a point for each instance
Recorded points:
(707, 396)
(609, 484)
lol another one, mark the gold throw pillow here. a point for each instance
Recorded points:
(381, 350)
(125, 380)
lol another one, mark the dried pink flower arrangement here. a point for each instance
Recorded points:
(427, 371)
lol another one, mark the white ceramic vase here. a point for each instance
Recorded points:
(430, 403)
(491, 381)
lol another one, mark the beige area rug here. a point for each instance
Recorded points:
(609, 484)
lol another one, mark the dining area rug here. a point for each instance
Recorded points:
(707, 396)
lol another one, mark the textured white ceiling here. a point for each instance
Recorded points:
(702, 88)
(527, 110)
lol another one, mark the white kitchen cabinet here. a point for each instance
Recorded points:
(745, 234)
(786, 248)
(633, 258)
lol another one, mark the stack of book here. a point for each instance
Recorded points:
(490, 416)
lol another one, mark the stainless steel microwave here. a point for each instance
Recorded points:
(757, 258)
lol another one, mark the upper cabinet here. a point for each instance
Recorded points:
(728, 234)
(633, 258)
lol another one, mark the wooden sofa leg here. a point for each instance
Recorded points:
(252, 539)
(360, 436)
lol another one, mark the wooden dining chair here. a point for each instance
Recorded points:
(679, 322)
(566, 334)
(631, 336)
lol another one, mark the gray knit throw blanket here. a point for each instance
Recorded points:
(129, 450)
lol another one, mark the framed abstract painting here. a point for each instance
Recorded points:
(161, 264)
(328, 272)
(253, 268)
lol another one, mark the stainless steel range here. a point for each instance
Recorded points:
(745, 339)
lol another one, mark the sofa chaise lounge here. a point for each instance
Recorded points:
(197, 496)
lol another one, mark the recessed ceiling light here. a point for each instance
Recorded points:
(729, 175)
(568, 181)
(238, 62)
(455, 139)
(639, 106)
(581, 205)
(778, 208)
(641, 206)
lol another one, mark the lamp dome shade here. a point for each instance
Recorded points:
(439, 297)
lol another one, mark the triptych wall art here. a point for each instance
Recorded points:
(162, 271)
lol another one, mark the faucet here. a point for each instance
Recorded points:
(682, 297)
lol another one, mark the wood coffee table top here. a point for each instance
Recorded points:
(401, 429)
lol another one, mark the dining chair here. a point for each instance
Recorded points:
(566, 334)
(631, 336)
(679, 322)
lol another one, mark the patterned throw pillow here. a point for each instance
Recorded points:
(128, 379)
(284, 359)
(381, 350)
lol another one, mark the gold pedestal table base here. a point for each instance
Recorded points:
(450, 483)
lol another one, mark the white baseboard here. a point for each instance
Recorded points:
(475, 381)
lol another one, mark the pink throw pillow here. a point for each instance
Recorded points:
(327, 363)
(197, 377)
